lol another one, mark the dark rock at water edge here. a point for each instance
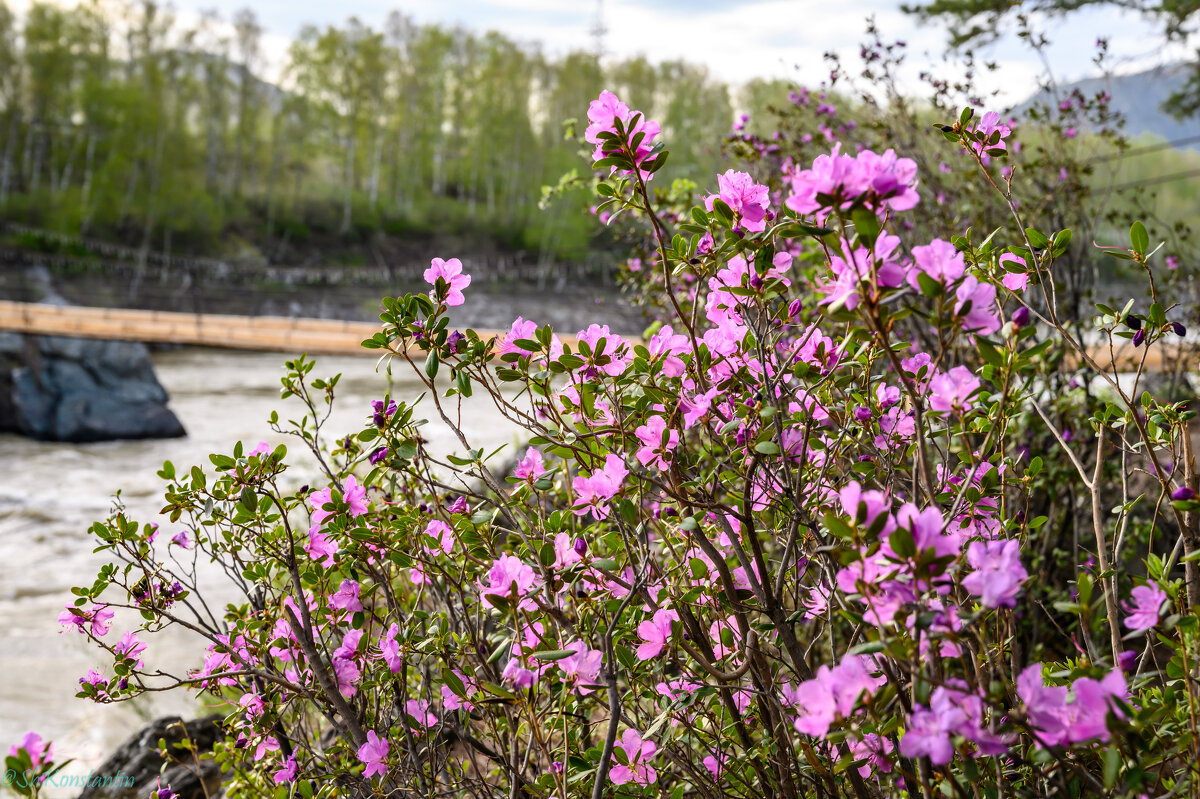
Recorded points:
(70, 389)
(137, 767)
(56, 388)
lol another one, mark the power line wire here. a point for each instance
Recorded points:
(1151, 148)
(1135, 184)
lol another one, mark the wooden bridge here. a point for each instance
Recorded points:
(334, 337)
(262, 333)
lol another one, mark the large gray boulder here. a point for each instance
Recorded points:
(142, 767)
(57, 388)
(72, 389)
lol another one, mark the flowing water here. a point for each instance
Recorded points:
(50, 494)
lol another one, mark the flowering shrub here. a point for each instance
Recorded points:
(828, 529)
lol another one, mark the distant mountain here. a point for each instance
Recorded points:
(1139, 97)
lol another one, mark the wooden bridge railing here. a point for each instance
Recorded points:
(263, 333)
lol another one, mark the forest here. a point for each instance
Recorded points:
(121, 123)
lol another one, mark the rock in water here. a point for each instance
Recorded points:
(56, 388)
(139, 765)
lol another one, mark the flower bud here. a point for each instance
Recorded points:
(1020, 317)
(1139, 337)
(1179, 329)
(1182, 493)
(581, 547)
(794, 308)
(1133, 322)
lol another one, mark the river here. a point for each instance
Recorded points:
(50, 494)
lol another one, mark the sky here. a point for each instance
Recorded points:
(736, 39)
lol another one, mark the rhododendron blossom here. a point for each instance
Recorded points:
(638, 753)
(510, 575)
(451, 274)
(748, 200)
(657, 443)
(603, 114)
(655, 633)
(373, 754)
(1144, 607)
(594, 492)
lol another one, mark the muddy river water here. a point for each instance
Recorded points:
(51, 493)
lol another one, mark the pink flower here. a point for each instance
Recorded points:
(317, 500)
(655, 633)
(638, 753)
(347, 597)
(389, 649)
(1014, 281)
(181, 540)
(509, 575)
(565, 553)
(453, 701)
(1144, 607)
(669, 345)
(319, 547)
(874, 749)
(129, 647)
(603, 114)
(347, 675)
(530, 467)
(865, 506)
(373, 753)
(450, 272)
(267, 744)
(97, 681)
(832, 693)
(940, 260)
(695, 407)
(862, 270)
(440, 532)
(521, 329)
(837, 180)
(583, 666)
(748, 200)
(419, 710)
(99, 617)
(355, 496)
(593, 493)
(1055, 720)
(998, 572)
(951, 391)
(610, 352)
(39, 750)
(262, 449)
(989, 124)
(656, 448)
(287, 773)
(975, 303)
(952, 710)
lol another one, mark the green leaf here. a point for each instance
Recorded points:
(431, 365)
(1139, 239)
(866, 225)
(1112, 766)
(766, 448)
(553, 654)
